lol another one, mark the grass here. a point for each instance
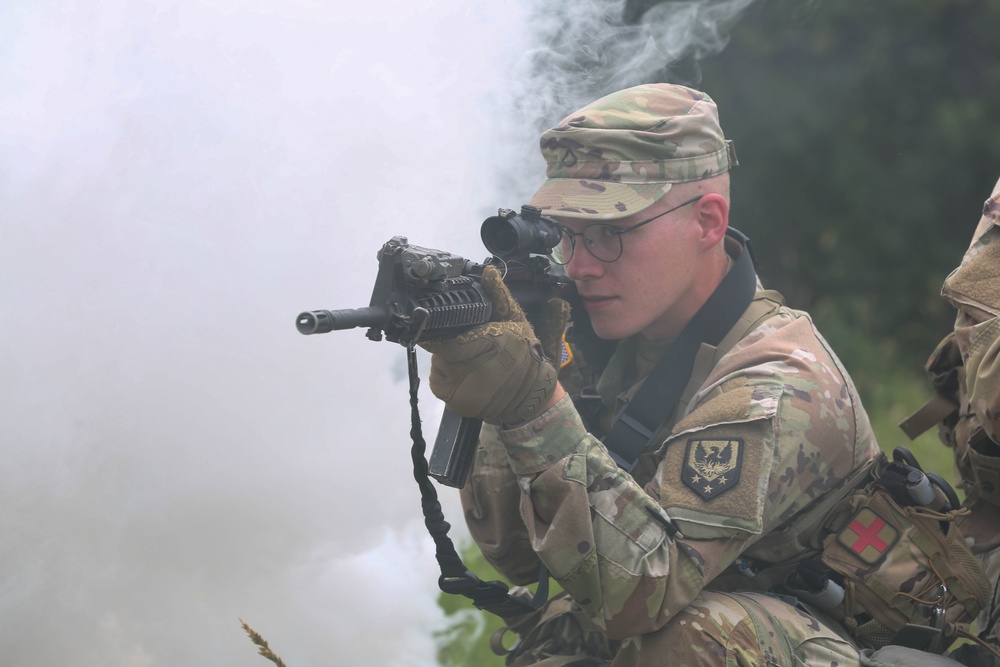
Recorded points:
(262, 646)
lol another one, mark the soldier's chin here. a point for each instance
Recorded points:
(610, 328)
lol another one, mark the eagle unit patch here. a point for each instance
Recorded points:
(712, 465)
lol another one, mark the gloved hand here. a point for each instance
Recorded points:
(495, 371)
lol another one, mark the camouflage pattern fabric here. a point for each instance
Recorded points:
(774, 426)
(623, 152)
(974, 289)
(740, 629)
(717, 628)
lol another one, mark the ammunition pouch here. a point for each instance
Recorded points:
(904, 573)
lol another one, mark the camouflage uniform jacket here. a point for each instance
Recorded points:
(775, 423)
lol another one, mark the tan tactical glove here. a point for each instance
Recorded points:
(495, 371)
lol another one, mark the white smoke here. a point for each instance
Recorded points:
(579, 50)
(177, 181)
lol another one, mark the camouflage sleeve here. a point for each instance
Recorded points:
(592, 525)
(761, 441)
(491, 499)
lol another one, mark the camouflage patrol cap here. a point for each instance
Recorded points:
(623, 152)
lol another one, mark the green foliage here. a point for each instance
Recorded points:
(890, 403)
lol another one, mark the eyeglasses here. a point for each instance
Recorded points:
(602, 240)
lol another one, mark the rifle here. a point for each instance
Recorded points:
(425, 294)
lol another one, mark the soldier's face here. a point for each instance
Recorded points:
(648, 289)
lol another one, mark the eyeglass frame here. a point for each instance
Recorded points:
(569, 233)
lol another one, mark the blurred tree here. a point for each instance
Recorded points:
(868, 135)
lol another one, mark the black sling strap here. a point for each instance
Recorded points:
(635, 425)
(491, 596)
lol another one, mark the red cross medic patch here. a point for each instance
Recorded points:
(868, 536)
(712, 465)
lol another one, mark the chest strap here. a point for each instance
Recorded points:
(637, 423)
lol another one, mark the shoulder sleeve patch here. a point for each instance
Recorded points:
(714, 475)
(712, 465)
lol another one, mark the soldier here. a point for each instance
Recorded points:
(730, 428)
(965, 371)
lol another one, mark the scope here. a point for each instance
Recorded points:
(508, 234)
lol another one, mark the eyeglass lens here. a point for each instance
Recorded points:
(603, 241)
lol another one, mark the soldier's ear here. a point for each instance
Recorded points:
(712, 212)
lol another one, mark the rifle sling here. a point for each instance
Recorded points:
(456, 579)
(637, 423)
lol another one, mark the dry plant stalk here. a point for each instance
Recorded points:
(262, 646)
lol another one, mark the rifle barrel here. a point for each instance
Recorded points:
(325, 321)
